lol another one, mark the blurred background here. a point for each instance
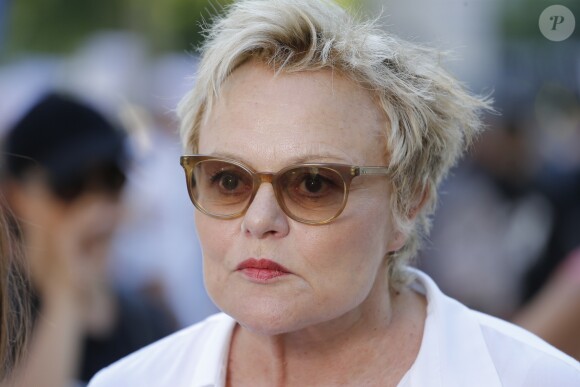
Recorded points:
(508, 223)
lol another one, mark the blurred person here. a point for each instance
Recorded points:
(558, 118)
(317, 144)
(63, 176)
(551, 285)
(492, 223)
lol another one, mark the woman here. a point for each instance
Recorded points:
(318, 143)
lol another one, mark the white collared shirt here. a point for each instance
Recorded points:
(460, 347)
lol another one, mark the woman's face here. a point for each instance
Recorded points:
(269, 122)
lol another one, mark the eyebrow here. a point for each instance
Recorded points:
(299, 159)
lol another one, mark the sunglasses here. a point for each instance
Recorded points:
(312, 193)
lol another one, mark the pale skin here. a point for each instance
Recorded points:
(334, 320)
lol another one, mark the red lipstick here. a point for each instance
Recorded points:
(261, 270)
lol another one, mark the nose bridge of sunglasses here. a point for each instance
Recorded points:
(265, 177)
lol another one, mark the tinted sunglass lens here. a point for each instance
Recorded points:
(221, 188)
(313, 194)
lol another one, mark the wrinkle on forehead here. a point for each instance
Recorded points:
(330, 83)
(297, 116)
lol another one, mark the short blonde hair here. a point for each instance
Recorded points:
(431, 117)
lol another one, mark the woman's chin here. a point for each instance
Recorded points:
(267, 321)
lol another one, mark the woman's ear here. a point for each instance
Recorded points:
(420, 202)
(400, 237)
(397, 242)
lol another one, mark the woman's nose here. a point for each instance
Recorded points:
(264, 218)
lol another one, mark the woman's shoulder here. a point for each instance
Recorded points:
(518, 353)
(186, 354)
(461, 347)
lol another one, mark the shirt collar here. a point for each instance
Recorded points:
(210, 371)
(453, 348)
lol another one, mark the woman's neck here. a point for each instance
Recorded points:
(379, 340)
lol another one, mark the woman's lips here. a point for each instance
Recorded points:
(261, 270)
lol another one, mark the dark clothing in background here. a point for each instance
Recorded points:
(139, 323)
(497, 240)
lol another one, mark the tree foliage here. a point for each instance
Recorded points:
(59, 26)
